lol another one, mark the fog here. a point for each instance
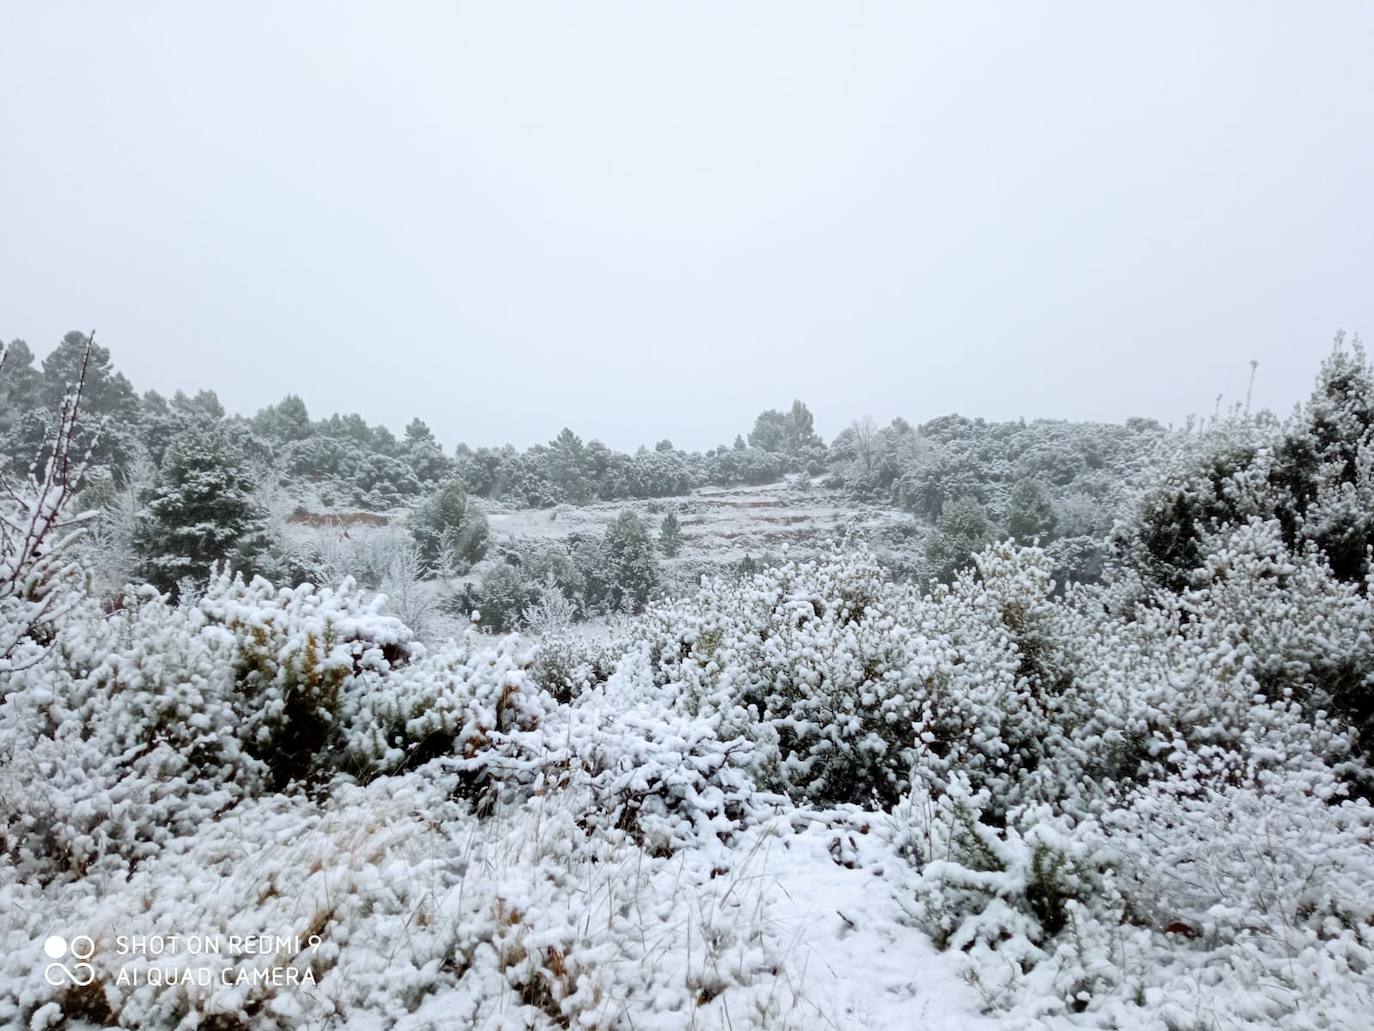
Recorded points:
(648, 222)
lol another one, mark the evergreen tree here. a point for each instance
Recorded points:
(200, 511)
(670, 535)
(790, 432)
(205, 405)
(107, 393)
(110, 409)
(423, 453)
(623, 571)
(19, 392)
(285, 421)
(801, 429)
(961, 533)
(1030, 513)
(770, 431)
(449, 526)
(566, 460)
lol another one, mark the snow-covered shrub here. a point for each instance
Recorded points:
(1293, 625)
(663, 775)
(408, 597)
(552, 613)
(845, 682)
(805, 660)
(1313, 474)
(409, 911)
(1002, 894)
(300, 656)
(146, 721)
(1146, 774)
(565, 666)
(994, 664)
(470, 700)
(107, 546)
(362, 555)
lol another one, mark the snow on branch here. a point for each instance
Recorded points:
(38, 581)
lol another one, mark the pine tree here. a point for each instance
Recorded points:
(670, 535)
(200, 511)
(629, 566)
(424, 454)
(285, 421)
(19, 389)
(1030, 513)
(109, 405)
(567, 458)
(962, 532)
(448, 524)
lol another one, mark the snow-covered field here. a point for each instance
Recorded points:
(430, 919)
(722, 525)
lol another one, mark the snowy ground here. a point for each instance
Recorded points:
(721, 525)
(425, 922)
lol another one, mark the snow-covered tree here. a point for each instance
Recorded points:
(628, 573)
(423, 453)
(109, 404)
(19, 392)
(285, 421)
(670, 535)
(201, 511)
(449, 524)
(792, 432)
(1031, 517)
(961, 532)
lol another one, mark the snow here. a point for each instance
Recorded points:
(811, 796)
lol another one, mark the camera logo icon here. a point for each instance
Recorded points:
(80, 973)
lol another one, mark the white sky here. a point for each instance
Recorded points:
(648, 220)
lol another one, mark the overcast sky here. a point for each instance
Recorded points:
(653, 220)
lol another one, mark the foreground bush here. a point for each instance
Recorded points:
(142, 724)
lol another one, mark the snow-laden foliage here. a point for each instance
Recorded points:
(40, 581)
(144, 723)
(1179, 760)
(200, 510)
(807, 661)
(1061, 756)
(1144, 804)
(1313, 478)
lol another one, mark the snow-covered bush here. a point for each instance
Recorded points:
(665, 776)
(807, 662)
(468, 700)
(1149, 777)
(565, 666)
(1000, 891)
(845, 682)
(143, 723)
